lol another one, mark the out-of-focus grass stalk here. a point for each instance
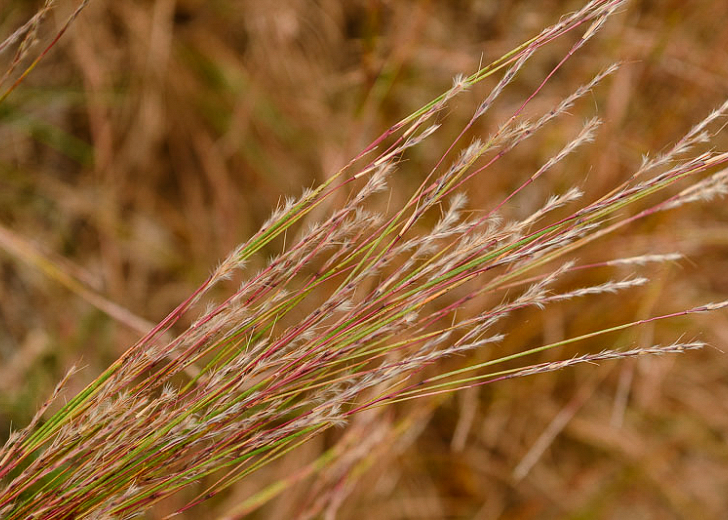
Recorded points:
(349, 316)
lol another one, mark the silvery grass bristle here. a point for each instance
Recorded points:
(266, 370)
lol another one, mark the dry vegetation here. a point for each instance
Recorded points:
(157, 136)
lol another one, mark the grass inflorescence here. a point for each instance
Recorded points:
(359, 308)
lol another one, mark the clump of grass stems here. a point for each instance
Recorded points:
(354, 313)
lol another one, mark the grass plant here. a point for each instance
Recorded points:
(363, 303)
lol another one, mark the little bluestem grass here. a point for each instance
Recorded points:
(357, 310)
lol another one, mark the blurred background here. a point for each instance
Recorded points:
(158, 135)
